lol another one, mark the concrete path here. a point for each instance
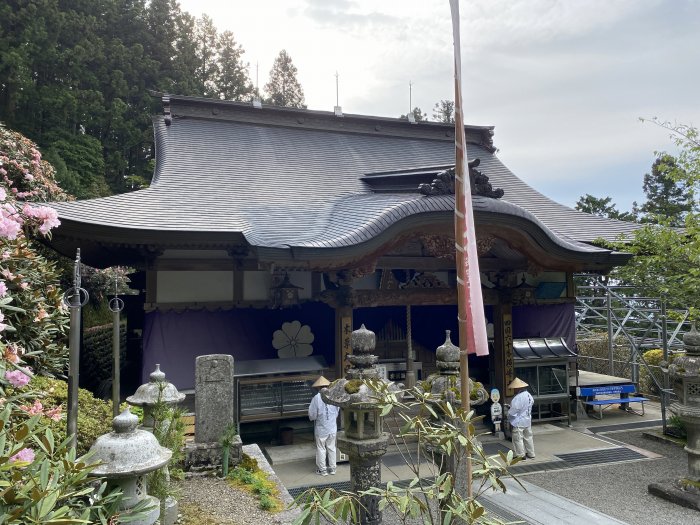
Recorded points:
(295, 466)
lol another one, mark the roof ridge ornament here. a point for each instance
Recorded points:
(444, 183)
(167, 115)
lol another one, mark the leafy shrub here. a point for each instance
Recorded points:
(431, 496)
(42, 481)
(40, 477)
(94, 415)
(653, 359)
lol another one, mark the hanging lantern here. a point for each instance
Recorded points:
(285, 293)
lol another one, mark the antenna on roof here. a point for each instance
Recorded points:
(256, 98)
(338, 110)
(411, 116)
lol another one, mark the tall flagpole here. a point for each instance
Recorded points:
(470, 305)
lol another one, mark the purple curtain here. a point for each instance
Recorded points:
(174, 339)
(549, 320)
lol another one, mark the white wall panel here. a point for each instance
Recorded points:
(195, 286)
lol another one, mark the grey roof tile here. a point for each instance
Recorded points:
(283, 186)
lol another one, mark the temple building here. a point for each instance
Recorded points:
(270, 233)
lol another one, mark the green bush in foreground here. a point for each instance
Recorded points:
(94, 415)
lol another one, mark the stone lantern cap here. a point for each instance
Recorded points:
(158, 389)
(448, 380)
(351, 392)
(126, 451)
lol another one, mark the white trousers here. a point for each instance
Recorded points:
(325, 448)
(521, 435)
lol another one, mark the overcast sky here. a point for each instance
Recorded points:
(563, 82)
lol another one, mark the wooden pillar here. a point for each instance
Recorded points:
(343, 331)
(151, 286)
(504, 367)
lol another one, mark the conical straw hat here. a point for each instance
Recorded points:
(321, 381)
(517, 383)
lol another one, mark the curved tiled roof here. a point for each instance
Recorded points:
(297, 182)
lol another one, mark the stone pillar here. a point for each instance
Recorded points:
(365, 472)
(214, 405)
(213, 401)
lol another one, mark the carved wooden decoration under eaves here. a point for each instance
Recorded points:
(443, 246)
(424, 280)
(484, 244)
(440, 246)
(444, 183)
(388, 281)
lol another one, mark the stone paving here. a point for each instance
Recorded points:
(594, 472)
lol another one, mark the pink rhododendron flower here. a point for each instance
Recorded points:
(6, 255)
(54, 413)
(3, 194)
(41, 315)
(26, 454)
(3, 289)
(2, 325)
(48, 216)
(7, 274)
(10, 225)
(24, 285)
(36, 408)
(17, 378)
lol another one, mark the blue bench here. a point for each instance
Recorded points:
(622, 392)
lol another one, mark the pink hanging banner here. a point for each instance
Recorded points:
(470, 303)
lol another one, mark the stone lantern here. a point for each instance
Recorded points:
(684, 374)
(446, 386)
(148, 396)
(126, 456)
(151, 393)
(363, 439)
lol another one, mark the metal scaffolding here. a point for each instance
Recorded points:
(630, 319)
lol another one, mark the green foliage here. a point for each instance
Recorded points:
(96, 357)
(665, 264)
(667, 260)
(84, 165)
(76, 78)
(169, 430)
(283, 88)
(247, 476)
(41, 480)
(444, 433)
(229, 435)
(418, 115)
(37, 313)
(232, 77)
(669, 198)
(602, 207)
(32, 302)
(94, 416)
(676, 427)
(444, 111)
(653, 359)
